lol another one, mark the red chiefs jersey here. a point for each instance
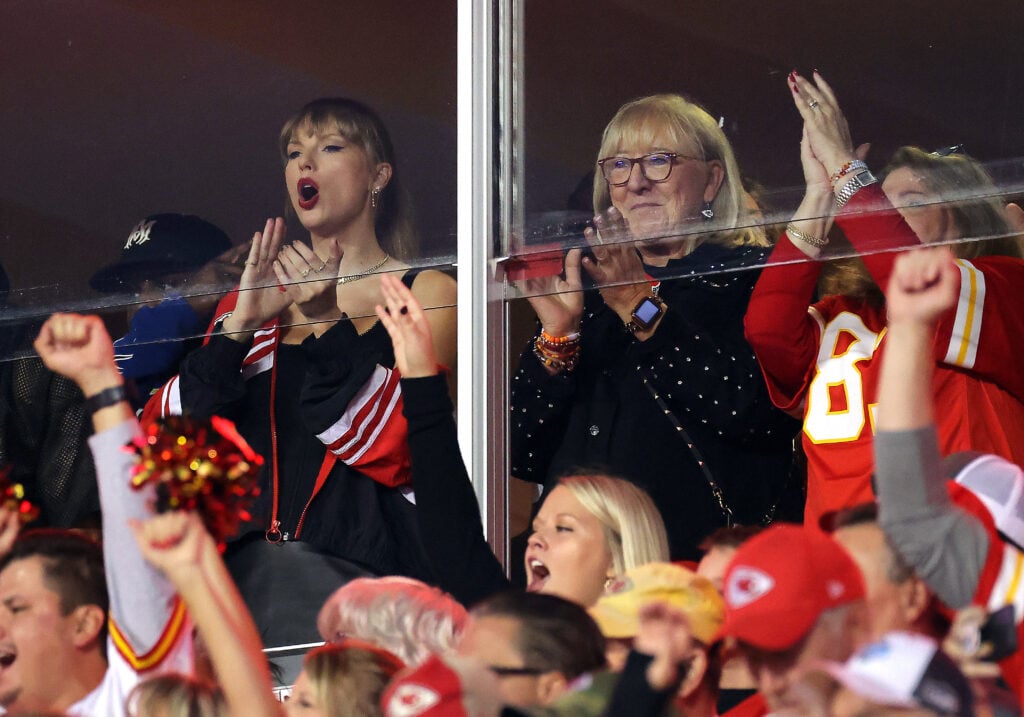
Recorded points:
(978, 387)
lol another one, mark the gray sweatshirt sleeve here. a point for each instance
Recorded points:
(141, 598)
(945, 545)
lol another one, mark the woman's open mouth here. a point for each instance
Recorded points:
(538, 575)
(309, 193)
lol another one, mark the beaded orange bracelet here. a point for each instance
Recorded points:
(556, 352)
(568, 363)
(574, 337)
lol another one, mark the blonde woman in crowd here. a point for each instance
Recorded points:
(589, 530)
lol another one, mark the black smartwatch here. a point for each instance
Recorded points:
(105, 399)
(645, 314)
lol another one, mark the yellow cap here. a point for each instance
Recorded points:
(617, 611)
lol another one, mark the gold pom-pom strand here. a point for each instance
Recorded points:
(198, 465)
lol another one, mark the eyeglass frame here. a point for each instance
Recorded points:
(643, 171)
(502, 671)
(673, 156)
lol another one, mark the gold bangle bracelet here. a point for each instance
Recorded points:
(806, 238)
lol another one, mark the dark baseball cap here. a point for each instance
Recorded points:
(162, 244)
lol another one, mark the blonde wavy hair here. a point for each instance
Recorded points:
(632, 524)
(688, 128)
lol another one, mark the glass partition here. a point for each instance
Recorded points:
(119, 111)
(703, 196)
(143, 154)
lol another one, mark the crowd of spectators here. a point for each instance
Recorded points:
(686, 356)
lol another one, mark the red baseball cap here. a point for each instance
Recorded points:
(781, 580)
(443, 687)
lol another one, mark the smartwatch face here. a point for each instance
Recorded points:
(646, 312)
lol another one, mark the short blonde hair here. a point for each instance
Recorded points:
(689, 128)
(633, 526)
(404, 616)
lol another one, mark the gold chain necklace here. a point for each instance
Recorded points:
(365, 272)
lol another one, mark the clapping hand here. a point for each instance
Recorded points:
(558, 302)
(311, 282)
(409, 329)
(260, 297)
(616, 265)
(825, 126)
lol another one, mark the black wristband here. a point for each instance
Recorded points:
(105, 399)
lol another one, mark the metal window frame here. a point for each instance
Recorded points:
(489, 191)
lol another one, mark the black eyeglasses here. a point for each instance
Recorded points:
(946, 151)
(656, 167)
(515, 671)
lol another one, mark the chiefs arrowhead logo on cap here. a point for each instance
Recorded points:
(746, 585)
(411, 700)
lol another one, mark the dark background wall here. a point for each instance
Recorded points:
(115, 109)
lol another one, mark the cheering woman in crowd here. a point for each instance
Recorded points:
(650, 376)
(590, 529)
(297, 360)
(823, 361)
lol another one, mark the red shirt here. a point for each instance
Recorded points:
(824, 362)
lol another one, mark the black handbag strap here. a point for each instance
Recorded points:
(716, 490)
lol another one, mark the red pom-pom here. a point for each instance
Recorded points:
(204, 466)
(12, 496)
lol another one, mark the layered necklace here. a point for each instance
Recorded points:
(365, 272)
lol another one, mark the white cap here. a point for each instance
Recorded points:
(999, 484)
(904, 669)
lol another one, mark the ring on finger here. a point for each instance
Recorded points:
(404, 310)
(320, 268)
(813, 104)
(304, 273)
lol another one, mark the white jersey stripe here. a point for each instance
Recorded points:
(264, 363)
(372, 392)
(172, 398)
(378, 424)
(963, 341)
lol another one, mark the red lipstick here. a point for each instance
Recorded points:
(309, 193)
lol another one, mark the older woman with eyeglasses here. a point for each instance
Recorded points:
(649, 376)
(821, 360)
